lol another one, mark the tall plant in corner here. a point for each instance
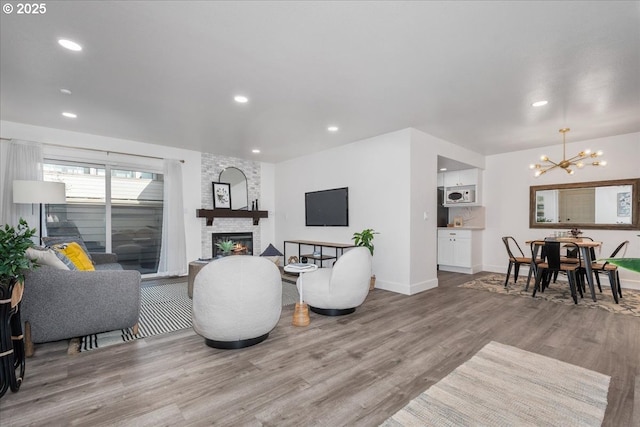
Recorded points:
(365, 238)
(14, 242)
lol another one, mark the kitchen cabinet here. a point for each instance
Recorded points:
(464, 180)
(460, 250)
(440, 179)
(461, 178)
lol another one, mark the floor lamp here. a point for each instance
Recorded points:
(39, 192)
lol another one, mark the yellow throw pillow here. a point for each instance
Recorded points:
(78, 257)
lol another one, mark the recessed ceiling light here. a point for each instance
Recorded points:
(255, 150)
(332, 128)
(241, 99)
(443, 169)
(539, 103)
(65, 91)
(70, 115)
(68, 44)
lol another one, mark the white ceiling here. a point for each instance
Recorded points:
(466, 72)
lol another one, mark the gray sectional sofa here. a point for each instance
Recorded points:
(63, 304)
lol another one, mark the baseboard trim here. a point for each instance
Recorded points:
(407, 289)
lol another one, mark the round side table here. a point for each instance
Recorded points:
(301, 312)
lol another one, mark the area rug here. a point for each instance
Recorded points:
(290, 293)
(164, 307)
(560, 293)
(507, 386)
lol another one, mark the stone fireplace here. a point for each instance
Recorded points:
(243, 243)
(210, 168)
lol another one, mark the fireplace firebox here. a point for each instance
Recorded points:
(243, 243)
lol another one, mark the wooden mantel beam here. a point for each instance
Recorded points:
(210, 214)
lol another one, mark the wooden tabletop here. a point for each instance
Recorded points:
(327, 244)
(578, 242)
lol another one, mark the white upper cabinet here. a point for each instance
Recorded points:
(461, 178)
(440, 179)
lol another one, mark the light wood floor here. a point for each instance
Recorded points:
(355, 370)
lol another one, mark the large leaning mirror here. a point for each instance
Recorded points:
(607, 205)
(239, 190)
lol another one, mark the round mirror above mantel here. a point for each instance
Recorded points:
(238, 187)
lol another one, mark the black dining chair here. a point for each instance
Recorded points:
(552, 264)
(571, 257)
(515, 261)
(611, 270)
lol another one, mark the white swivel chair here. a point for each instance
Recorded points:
(237, 301)
(339, 290)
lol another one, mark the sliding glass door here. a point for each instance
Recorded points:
(136, 219)
(113, 209)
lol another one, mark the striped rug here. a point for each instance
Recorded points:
(163, 308)
(505, 386)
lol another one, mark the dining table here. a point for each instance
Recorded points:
(585, 247)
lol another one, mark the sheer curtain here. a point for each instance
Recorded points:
(19, 160)
(173, 257)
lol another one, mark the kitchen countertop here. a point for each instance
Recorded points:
(461, 228)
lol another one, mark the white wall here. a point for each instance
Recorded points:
(506, 183)
(377, 174)
(423, 211)
(267, 203)
(190, 170)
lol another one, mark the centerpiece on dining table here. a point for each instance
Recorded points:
(575, 233)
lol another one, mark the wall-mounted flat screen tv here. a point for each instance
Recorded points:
(327, 208)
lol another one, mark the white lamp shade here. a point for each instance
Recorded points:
(38, 192)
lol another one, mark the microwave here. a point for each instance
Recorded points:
(460, 196)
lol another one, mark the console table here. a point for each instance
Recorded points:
(318, 247)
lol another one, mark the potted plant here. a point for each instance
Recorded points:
(14, 243)
(365, 238)
(226, 246)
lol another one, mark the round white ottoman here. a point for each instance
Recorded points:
(237, 301)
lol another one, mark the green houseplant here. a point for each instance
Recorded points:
(14, 242)
(226, 246)
(365, 238)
